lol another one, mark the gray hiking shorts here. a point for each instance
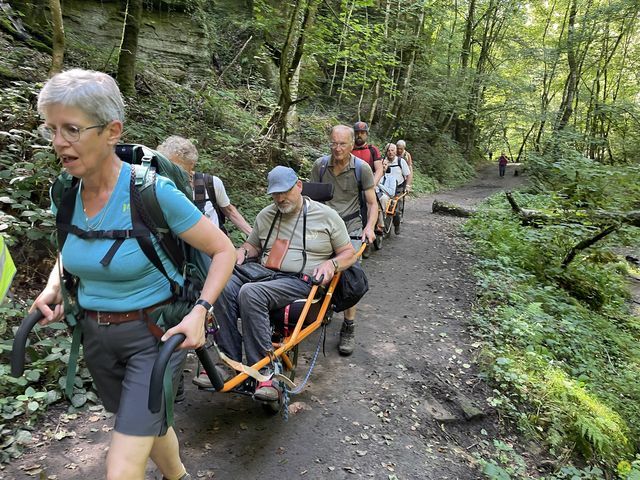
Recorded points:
(120, 359)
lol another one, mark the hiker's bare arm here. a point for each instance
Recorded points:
(236, 218)
(205, 237)
(377, 171)
(368, 234)
(51, 295)
(246, 250)
(344, 258)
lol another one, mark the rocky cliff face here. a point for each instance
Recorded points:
(170, 39)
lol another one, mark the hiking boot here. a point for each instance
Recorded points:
(180, 395)
(347, 340)
(396, 229)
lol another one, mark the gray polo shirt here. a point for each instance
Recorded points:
(326, 233)
(345, 194)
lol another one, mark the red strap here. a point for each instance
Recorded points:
(286, 320)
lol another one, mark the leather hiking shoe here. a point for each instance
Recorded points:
(347, 340)
(203, 380)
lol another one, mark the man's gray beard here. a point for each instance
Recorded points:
(286, 210)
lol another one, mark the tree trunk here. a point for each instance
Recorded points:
(571, 84)
(129, 47)
(292, 114)
(57, 58)
(402, 97)
(343, 36)
(300, 22)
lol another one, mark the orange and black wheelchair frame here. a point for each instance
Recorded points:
(291, 325)
(395, 207)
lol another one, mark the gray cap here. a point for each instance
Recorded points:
(281, 179)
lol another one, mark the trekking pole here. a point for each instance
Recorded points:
(160, 365)
(20, 341)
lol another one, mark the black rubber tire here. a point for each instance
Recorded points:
(388, 220)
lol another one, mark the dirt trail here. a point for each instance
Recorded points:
(407, 405)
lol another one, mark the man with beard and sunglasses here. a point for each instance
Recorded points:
(367, 152)
(299, 240)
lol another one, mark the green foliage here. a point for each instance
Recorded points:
(26, 167)
(563, 349)
(24, 399)
(442, 160)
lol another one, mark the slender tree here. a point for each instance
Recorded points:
(129, 46)
(57, 58)
(300, 22)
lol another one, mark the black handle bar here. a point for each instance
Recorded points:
(160, 365)
(20, 341)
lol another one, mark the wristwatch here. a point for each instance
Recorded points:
(207, 306)
(335, 265)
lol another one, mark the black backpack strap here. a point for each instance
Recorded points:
(361, 198)
(372, 152)
(141, 219)
(211, 192)
(323, 166)
(199, 189)
(65, 202)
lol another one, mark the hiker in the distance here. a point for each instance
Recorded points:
(83, 114)
(502, 164)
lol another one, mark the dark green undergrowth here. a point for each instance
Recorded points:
(562, 344)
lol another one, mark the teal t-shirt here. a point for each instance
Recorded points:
(130, 281)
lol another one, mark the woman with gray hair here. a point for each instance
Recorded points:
(83, 115)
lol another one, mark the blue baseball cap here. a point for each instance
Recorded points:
(281, 179)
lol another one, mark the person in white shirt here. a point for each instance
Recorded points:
(386, 189)
(183, 152)
(399, 168)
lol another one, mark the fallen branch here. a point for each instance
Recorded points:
(233, 60)
(445, 208)
(587, 243)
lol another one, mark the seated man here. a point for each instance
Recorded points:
(296, 237)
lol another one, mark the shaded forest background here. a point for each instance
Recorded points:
(552, 83)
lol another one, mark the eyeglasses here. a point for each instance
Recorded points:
(339, 145)
(71, 133)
